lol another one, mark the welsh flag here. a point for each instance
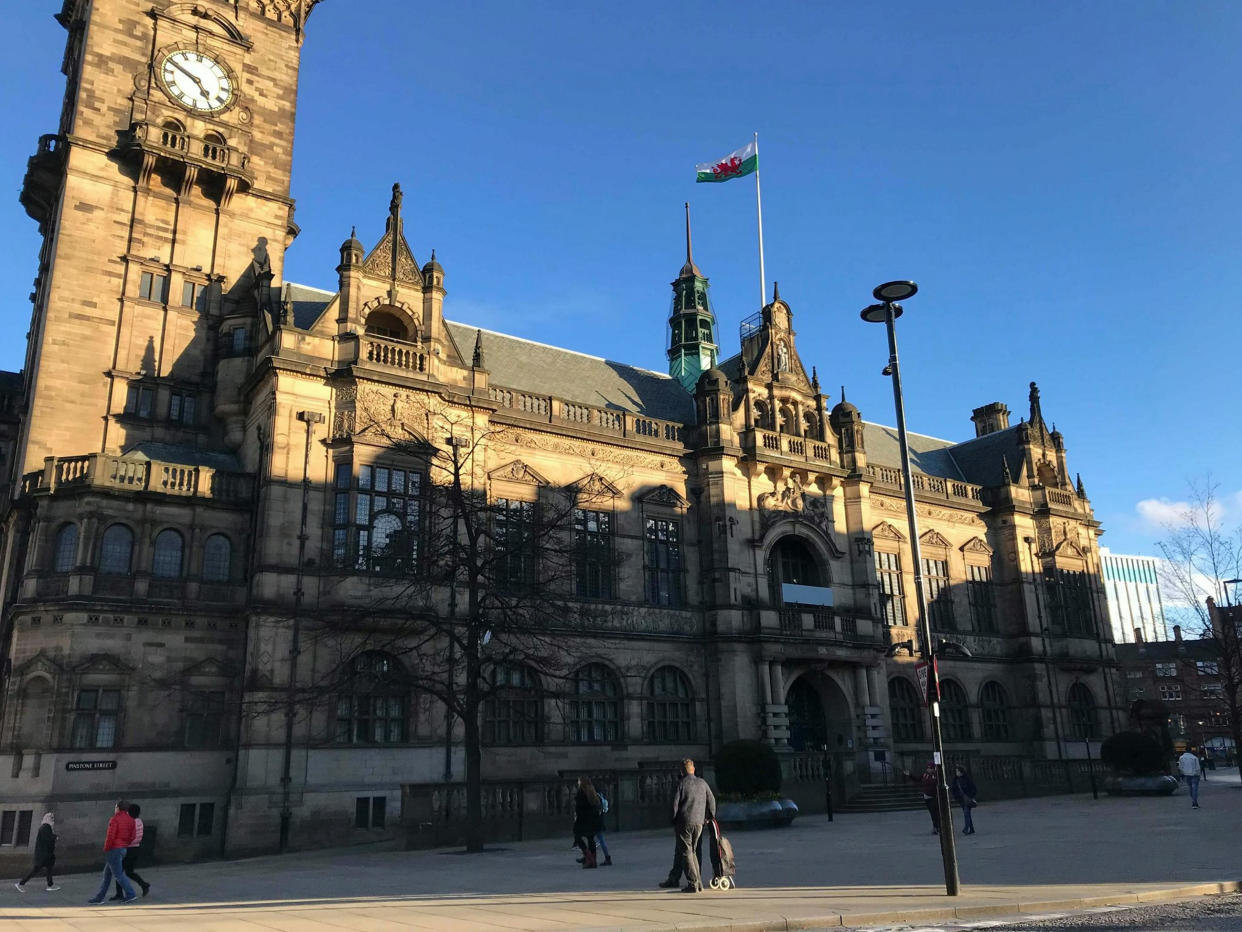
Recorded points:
(744, 161)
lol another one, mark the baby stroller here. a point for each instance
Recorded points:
(723, 865)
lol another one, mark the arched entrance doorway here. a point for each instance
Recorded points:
(821, 722)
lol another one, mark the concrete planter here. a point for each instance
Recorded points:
(768, 813)
(1159, 785)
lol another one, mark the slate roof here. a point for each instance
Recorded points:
(1138, 655)
(590, 380)
(308, 303)
(550, 370)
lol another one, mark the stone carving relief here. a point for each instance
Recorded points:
(934, 538)
(517, 471)
(895, 506)
(603, 454)
(976, 545)
(792, 498)
(666, 496)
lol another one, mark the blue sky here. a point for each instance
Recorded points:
(1061, 179)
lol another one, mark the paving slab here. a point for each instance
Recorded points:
(860, 869)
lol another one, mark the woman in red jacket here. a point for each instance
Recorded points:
(120, 836)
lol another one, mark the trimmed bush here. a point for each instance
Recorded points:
(747, 768)
(1132, 752)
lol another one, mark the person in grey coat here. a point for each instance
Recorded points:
(693, 804)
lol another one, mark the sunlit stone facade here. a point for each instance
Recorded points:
(176, 388)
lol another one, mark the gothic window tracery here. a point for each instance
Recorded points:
(595, 706)
(669, 716)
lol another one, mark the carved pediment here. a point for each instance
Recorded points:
(517, 471)
(42, 662)
(885, 531)
(595, 486)
(934, 538)
(379, 263)
(210, 667)
(977, 545)
(103, 663)
(1068, 548)
(666, 496)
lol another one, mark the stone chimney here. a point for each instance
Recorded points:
(1177, 633)
(990, 418)
(1138, 635)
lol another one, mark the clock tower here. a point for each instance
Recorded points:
(163, 201)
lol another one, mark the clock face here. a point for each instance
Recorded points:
(197, 81)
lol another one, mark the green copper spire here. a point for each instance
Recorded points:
(692, 326)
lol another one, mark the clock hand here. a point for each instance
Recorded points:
(189, 74)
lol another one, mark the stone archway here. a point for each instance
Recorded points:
(819, 715)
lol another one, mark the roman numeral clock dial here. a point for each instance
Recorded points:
(197, 81)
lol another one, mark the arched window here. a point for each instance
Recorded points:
(116, 550)
(954, 711)
(994, 712)
(595, 706)
(166, 560)
(217, 559)
(907, 707)
(386, 324)
(65, 552)
(213, 148)
(1083, 722)
(371, 707)
(761, 416)
(789, 423)
(810, 425)
(670, 707)
(512, 714)
(794, 563)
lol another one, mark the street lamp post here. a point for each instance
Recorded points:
(887, 312)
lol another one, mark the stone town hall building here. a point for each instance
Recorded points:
(175, 386)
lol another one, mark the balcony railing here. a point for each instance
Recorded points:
(790, 447)
(549, 409)
(105, 471)
(393, 354)
(207, 152)
(925, 485)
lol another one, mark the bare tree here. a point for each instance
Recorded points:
(473, 590)
(1202, 559)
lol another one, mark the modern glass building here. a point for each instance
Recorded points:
(1135, 609)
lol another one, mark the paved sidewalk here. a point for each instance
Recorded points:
(865, 869)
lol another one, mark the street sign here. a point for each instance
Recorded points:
(90, 765)
(921, 669)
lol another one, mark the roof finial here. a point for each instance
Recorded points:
(1005, 475)
(1082, 490)
(353, 231)
(776, 291)
(689, 257)
(478, 361)
(1037, 414)
(842, 394)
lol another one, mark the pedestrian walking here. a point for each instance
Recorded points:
(693, 804)
(44, 853)
(964, 791)
(131, 855)
(587, 820)
(1188, 765)
(599, 836)
(120, 836)
(927, 786)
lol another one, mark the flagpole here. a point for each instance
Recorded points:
(763, 281)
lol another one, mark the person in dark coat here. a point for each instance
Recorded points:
(44, 853)
(693, 804)
(588, 821)
(963, 790)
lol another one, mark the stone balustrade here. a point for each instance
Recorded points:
(924, 485)
(551, 410)
(106, 471)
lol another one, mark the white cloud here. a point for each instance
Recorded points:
(1160, 513)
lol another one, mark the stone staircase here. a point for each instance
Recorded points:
(879, 797)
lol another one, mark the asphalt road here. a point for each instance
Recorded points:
(1206, 914)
